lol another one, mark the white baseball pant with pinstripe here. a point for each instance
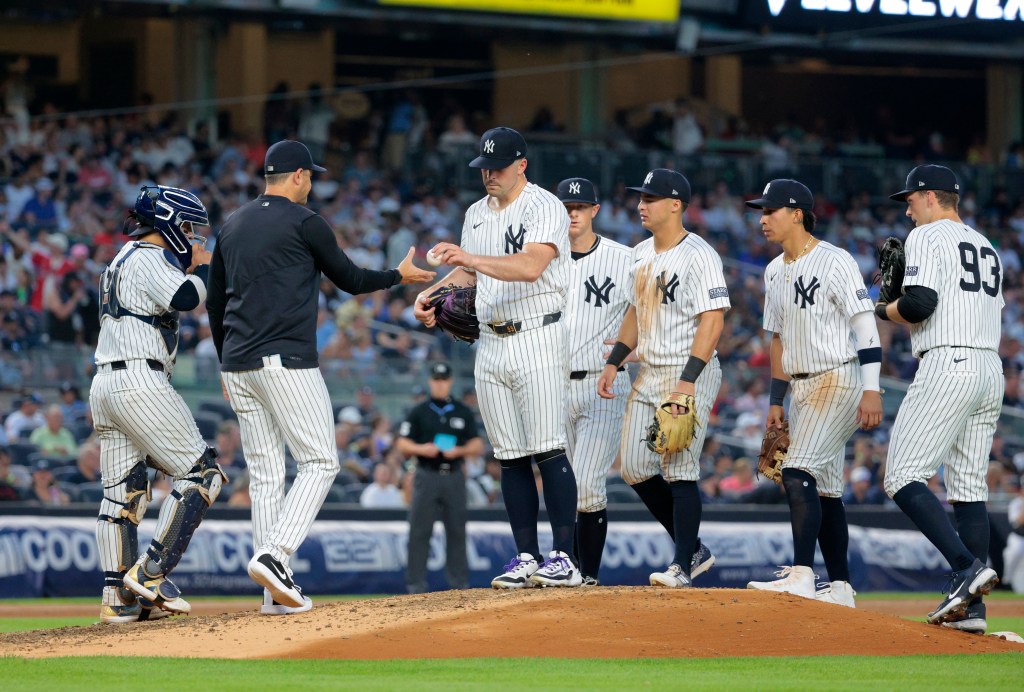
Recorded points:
(591, 426)
(278, 406)
(651, 387)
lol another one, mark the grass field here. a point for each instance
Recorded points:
(990, 672)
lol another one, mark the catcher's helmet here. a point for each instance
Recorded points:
(166, 210)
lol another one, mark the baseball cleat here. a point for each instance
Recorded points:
(117, 614)
(976, 580)
(272, 607)
(972, 621)
(517, 573)
(797, 580)
(702, 561)
(268, 572)
(590, 581)
(837, 592)
(557, 570)
(673, 578)
(159, 590)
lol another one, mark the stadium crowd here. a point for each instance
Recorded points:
(66, 182)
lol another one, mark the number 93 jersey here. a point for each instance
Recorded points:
(963, 268)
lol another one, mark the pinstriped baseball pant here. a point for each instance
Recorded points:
(594, 428)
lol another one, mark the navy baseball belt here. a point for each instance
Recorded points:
(584, 374)
(443, 468)
(805, 375)
(123, 365)
(510, 327)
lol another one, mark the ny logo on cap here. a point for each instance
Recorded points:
(649, 178)
(489, 146)
(766, 189)
(574, 188)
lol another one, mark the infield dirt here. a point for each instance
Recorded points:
(601, 622)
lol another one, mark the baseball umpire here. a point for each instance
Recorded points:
(264, 282)
(950, 293)
(139, 418)
(439, 432)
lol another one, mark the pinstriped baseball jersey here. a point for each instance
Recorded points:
(598, 300)
(960, 265)
(809, 304)
(670, 289)
(535, 216)
(144, 283)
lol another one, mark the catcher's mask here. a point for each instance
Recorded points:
(171, 212)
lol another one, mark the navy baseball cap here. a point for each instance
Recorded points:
(784, 192)
(577, 190)
(440, 371)
(288, 156)
(928, 177)
(499, 147)
(664, 182)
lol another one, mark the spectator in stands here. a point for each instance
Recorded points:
(9, 481)
(862, 490)
(456, 136)
(43, 489)
(20, 424)
(75, 410)
(229, 446)
(239, 496)
(739, 482)
(88, 463)
(315, 118)
(687, 137)
(1013, 554)
(53, 439)
(353, 443)
(383, 492)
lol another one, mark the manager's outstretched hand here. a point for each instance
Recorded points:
(411, 274)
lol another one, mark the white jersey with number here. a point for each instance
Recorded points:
(670, 289)
(809, 304)
(598, 301)
(535, 216)
(963, 268)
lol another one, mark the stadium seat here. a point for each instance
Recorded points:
(90, 493)
(208, 423)
(20, 452)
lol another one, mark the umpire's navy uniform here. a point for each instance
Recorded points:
(439, 485)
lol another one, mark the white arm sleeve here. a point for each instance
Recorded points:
(865, 336)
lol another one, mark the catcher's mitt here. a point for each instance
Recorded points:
(774, 449)
(455, 311)
(668, 435)
(892, 263)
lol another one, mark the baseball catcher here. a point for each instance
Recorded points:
(892, 262)
(671, 433)
(774, 449)
(455, 311)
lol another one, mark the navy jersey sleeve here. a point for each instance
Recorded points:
(337, 266)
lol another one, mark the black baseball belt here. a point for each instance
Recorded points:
(123, 365)
(510, 327)
(583, 374)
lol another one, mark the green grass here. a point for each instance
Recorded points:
(1000, 595)
(855, 673)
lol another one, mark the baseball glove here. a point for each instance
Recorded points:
(892, 263)
(668, 435)
(455, 311)
(774, 449)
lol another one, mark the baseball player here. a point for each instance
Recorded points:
(598, 300)
(952, 300)
(139, 418)
(264, 282)
(818, 311)
(515, 248)
(679, 299)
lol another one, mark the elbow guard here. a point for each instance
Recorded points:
(917, 304)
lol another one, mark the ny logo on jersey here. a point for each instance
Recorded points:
(668, 288)
(574, 188)
(601, 294)
(489, 146)
(514, 241)
(804, 293)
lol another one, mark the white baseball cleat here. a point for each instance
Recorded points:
(672, 578)
(837, 592)
(272, 607)
(557, 570)
(517, 573)
(797, 580)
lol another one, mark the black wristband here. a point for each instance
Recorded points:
(692, 370)
(880, 311)
(778, 391)
(619, 353)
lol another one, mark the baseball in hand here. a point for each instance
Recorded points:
(433, 260)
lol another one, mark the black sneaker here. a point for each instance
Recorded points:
(972, 621)
(976, 580)
(268, 572)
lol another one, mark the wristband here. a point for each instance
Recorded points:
(880, 311)
(619, 353)
(778, 391)
(694, 367)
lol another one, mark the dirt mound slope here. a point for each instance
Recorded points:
(603, 622)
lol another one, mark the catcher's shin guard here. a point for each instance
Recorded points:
(117, 533)
(182, 511)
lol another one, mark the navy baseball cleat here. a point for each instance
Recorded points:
(702, 561)
(976, 580)
(972, 621)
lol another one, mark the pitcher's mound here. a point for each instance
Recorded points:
(598, 622)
